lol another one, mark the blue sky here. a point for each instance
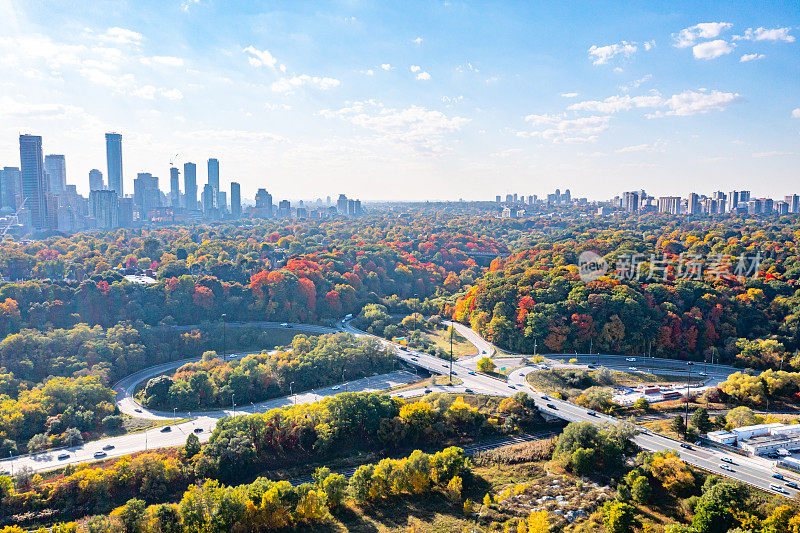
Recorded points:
(413, 100)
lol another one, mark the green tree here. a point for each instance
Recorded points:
(678, 425)
(131, 515)
(192, 446)
(618, 517)
(485, 364)
(640, 490)
(701, 420)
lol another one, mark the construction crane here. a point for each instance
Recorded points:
(172, 160)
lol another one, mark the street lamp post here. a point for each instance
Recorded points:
(451, 354)
(233, 403)
(688, 382)
(174, 412)
(291, 393)
(224, 337)
(343, 381)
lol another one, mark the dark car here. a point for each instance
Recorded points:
(551, 406)
(791, 484)
(166, 429)
(198, 430)
(543, 397)
(108, 447)
(591, 413)
(687, 446)
(777, 476)
(468, 391)
(63, 456)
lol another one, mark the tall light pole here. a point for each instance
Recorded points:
(224, 337)
(291, 393)
(233, 403)
(451, 354)
(343, 381)
(688, 382)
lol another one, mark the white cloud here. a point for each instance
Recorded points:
(699, 102)
(288, 85)
(418, 40)
(368, 72)
(415, 68)
(750, 57)
(712, 49)
(424, 76)
(705, 30)
(260, 58)
(13, 108)
(386, 66)
(601, 55)
(467, 67)
(635, 84)
(796, 112)
(657, 146)
(648, 45)
(149, 92)
(168, 61)
(120, 36)
(569, 95)
(614, 104)
(764, 34)
(773, 153)
(414, 126)
(186, 4)
(558, 128)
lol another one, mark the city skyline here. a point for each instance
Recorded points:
(435, 104)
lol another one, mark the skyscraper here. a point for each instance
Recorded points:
(32, 177)
(190, 185)
(104, 206)
(793, 202)
(56, 166)
(263, 204)
(213, 176)
(236, 200)
(96, 180)
(10, 187)
(209, 195)
(114, 161)
(146, 195)
(341, 204)
(174, 187)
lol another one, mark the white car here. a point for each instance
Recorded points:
(727, 468)
(631, 359)
(778, 488)
(632, 368)
(703, 374)
(336, 387)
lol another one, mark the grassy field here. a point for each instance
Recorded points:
(573, 382)
(440, 338)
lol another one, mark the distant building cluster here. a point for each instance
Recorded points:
(652, 393)
(520, 205)
(736, 202)
(762, 439)
(35, 196)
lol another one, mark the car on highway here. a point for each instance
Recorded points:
(468, 391)
(632, 368)
(543, 397)
(471, 373)
(778, 488)
(99, 455)
(703, 374)
(631, 359)
(726, 459)
(727, 468)
(685, 445)
(791, 484)
(511, 386)
(336, 387)
(198, 430)
(108, 447)
(138, 410)
(286, 325)
(551, 406)
(166, 429)
(427, 390)
(404, 348)
(592, 366)
(591, 413)
(63, 456)
(778, 476)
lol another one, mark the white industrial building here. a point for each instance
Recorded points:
(762, 438)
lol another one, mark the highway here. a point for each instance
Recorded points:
(751, 470)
